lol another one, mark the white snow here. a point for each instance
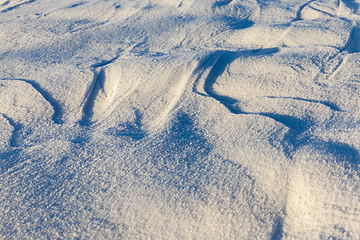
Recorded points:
(179, 119)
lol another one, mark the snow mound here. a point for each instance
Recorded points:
(335, 33)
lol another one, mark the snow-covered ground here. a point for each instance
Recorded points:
(180, 119)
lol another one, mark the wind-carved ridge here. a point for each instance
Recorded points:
(58, 110)
(16, 6)
(17, 127)
(215, 64)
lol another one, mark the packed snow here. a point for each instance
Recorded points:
(180, 119)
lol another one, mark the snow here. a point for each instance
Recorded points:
(179, 119)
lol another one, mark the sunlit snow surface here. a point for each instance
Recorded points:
(179, 119)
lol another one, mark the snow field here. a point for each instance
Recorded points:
(161, 119)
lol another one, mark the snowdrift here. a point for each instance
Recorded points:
(179, 119)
